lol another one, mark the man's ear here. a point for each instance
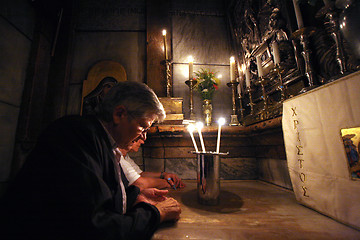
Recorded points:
(119, 114)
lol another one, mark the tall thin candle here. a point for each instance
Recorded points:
(199, 126)
(221, 122)
(247, 76)
(276, 53)
(232, 69)
(298, 14)
(191, 129)
(259, 66)
(165, 48)
(191, 67)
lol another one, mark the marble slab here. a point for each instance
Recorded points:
(15, 50)
(8, 123)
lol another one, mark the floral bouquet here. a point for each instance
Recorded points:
(207, 83)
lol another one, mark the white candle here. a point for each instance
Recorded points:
(165, 48)
(232, 69)
(298, 14)
(241, 78)
(199, 126)
(239, 86)
(259, 66)
(247, 76)
(276, 53)
(191, 129)
(191, 67)
(221, 122)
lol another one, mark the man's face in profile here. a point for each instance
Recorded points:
(135, 147)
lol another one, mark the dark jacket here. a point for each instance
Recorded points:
(68, 189)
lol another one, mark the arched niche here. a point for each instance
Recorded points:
(100, 78)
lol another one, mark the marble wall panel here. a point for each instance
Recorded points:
(8, 123)
(154, 164)
(16, 29)
(268, 151)
(269, 138)
(274, 171)
(127, 48)
(210, 139)
(185, 168)
(230, 169)
(15, 50)
(19, 13)
(238, 168)
(208, 7)
(184, 152)
(111, 15)
(205, 38)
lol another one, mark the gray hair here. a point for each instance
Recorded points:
(138, 98)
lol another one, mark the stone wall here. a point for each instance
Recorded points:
(255, 152)
(16, 30)
(172, 153)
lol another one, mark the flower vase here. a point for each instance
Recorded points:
(207, 111)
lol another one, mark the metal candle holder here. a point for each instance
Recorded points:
(168, 78)
(303, 35)
(264, 95)
(208, 177)
(234, 118)
(332, 26)
(241, 108)
(249, 91)
(191, 84)
(283, 89)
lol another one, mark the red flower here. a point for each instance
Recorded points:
(215, 86)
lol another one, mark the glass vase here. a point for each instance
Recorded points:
(207, 111)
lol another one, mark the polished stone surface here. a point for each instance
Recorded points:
(250, 210)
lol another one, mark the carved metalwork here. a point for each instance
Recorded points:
(191, 84)
(259, 27)
(234, 117)
(168, 78)
(303, 35)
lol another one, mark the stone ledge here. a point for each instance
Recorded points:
(164, 129)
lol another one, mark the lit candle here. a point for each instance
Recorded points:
(259, 66)
(191, 67)
(221, 122)
(247, 76)
(239, 86)
(165, 48)
(191, 129)
(298, 15)
(241, 78)
(276, 53)
(232, 69)
(199, 126)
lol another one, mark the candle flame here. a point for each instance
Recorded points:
(232, 59)
(164, 32)
(221, 121)
(190, 59)
(243, 67)
(191, 128)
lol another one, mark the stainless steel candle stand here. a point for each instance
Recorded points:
(208, 177)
